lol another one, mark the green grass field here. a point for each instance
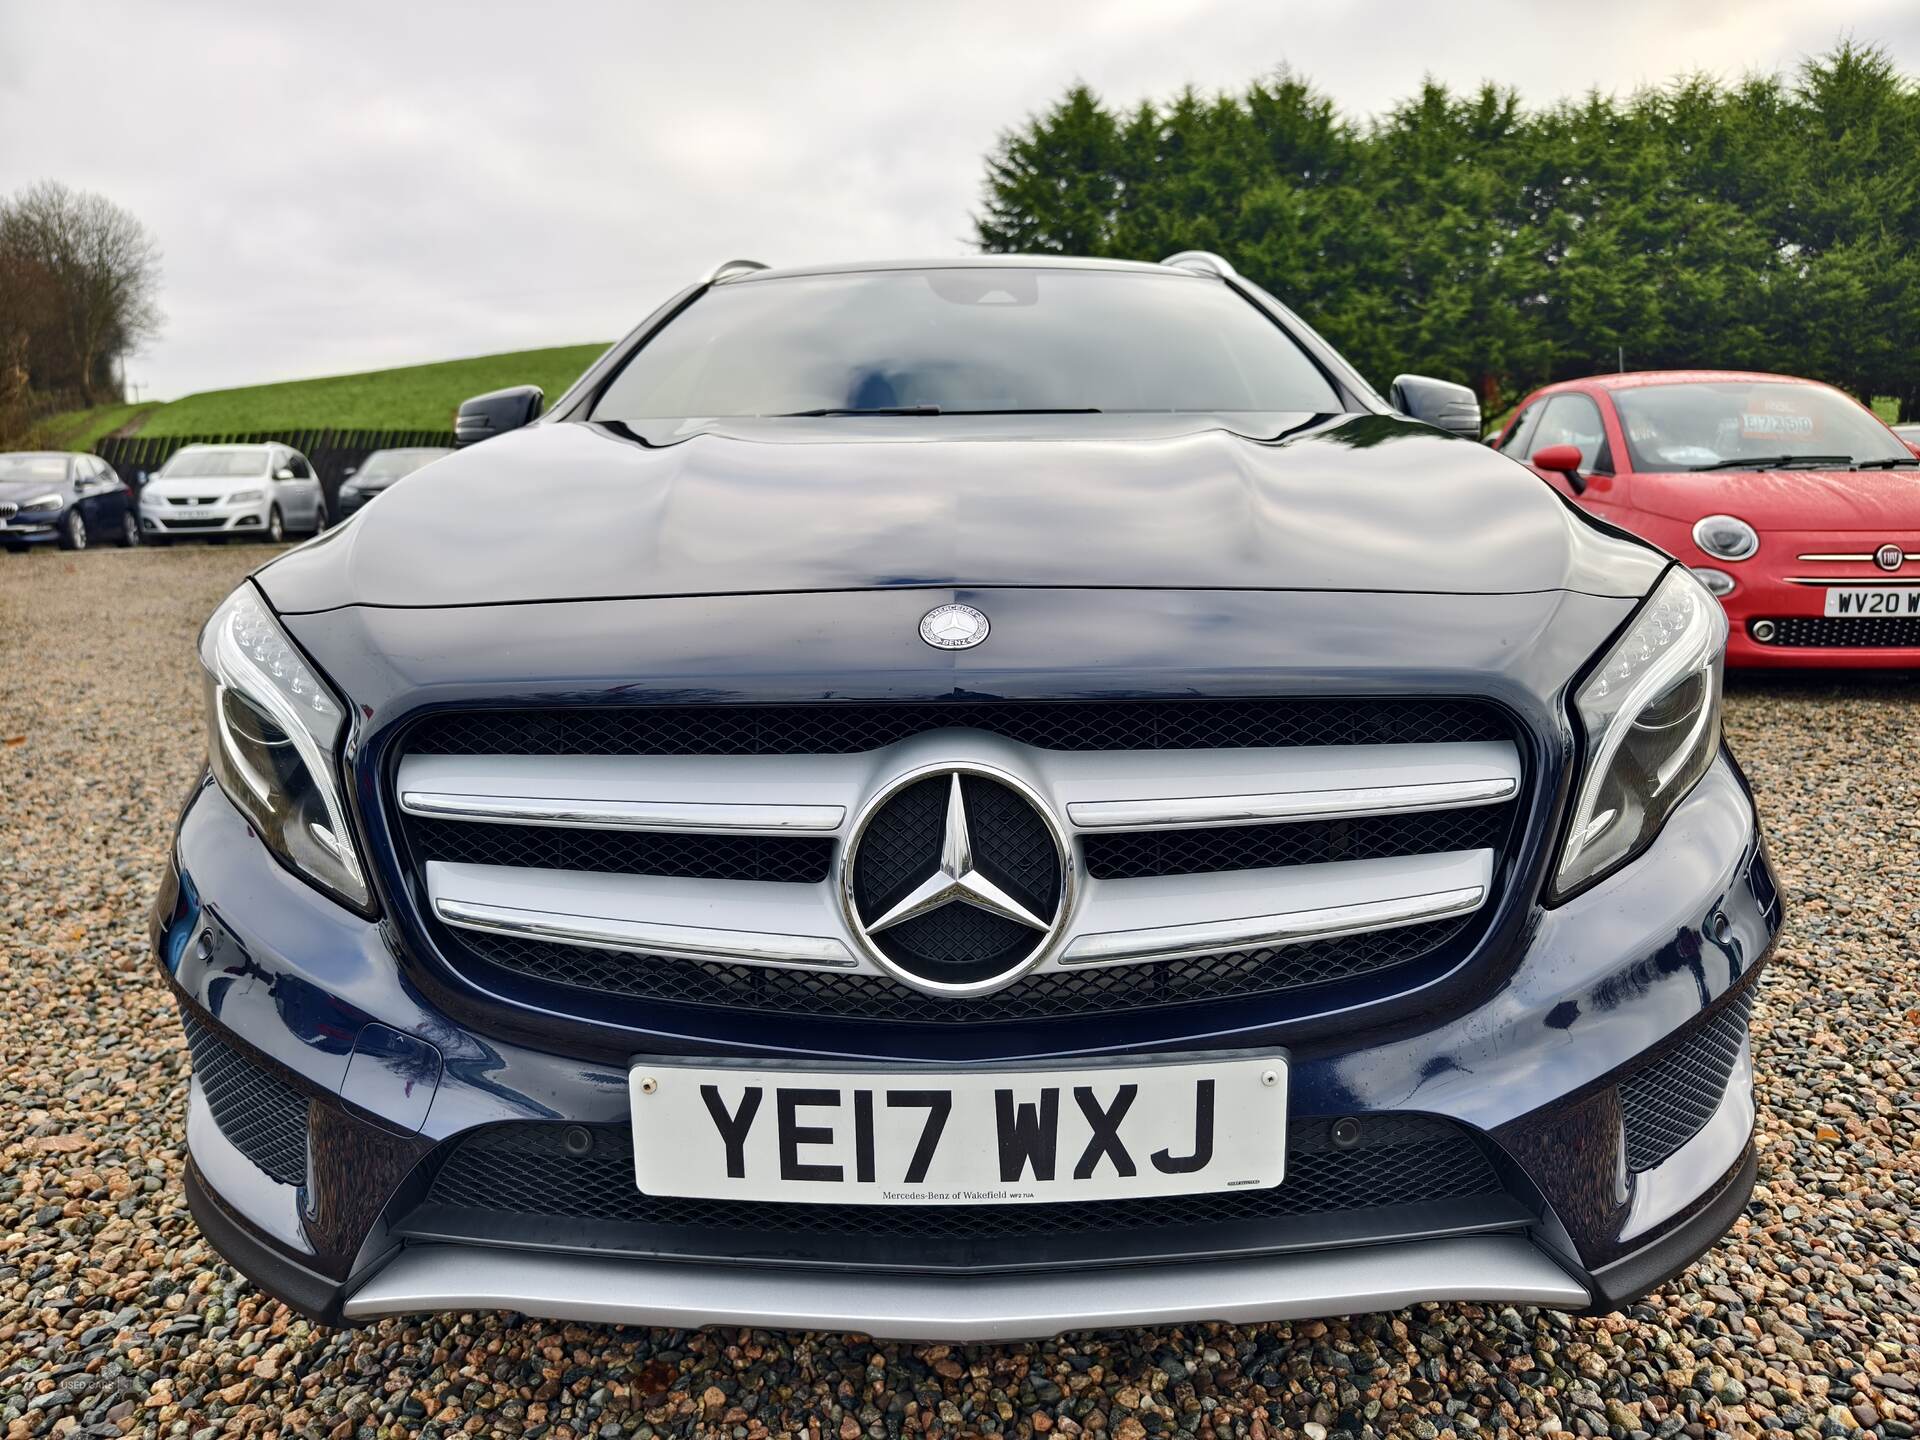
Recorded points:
(421, 397)
(80, 429)
(413, 397)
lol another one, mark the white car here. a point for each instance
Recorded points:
(262, 491)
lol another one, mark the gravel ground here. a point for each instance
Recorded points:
(115, 1318)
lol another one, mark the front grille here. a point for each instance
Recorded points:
(799, 859)
(1011, 844)
(193, 499)
(852, 727)
(264, 1116)
(1809, 632)
(1665, 1104)
(1052, 994)
(524, 1170)
(174, 524)
(1254, 847)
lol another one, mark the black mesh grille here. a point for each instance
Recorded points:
(958, 943)
(1667, 1103)
(264, 1116)
(1808, 632)
(802, 859)
(1400, 1160)
(1255, 847)
(1052, 994)
(849, 727)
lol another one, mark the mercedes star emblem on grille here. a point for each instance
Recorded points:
(956, 880)
(953, 627)
(1887, 557)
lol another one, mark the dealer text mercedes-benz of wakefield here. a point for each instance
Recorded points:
(967, 799)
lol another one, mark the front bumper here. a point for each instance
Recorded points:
(39, 528)
(1789, 594)
(249, 518)
(1610, 983)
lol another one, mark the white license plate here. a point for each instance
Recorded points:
(186, 512)
(1870, 601)
(898, 1136)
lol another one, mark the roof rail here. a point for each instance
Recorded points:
(1202, 262)
(730, 267)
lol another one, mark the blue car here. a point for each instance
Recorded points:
(51, 497)
(380, 471)
(987, 798)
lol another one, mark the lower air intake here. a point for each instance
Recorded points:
(526, 1170)
(1813, 632)
(264, 1116)
(1667, 1103)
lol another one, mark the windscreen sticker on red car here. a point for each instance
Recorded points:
(1774, 422)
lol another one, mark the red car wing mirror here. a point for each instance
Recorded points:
(1564, 459)
(1560, 460)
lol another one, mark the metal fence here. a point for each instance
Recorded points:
(332, 452)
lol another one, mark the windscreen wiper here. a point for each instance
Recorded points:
(859, 410)
(1885, 464)
(934, 410)
(1781, 462)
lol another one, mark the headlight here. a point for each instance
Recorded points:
(243, 497)
(1650, 715)
(43, 502)
(1726, 537)
(274, 728)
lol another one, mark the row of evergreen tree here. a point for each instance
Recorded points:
(1771, 223)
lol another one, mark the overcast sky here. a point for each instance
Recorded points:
(340, 187)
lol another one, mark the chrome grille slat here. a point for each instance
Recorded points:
(767, 923)
(1154, 790)
(1308, 902)
(1148, 919)
(721, 795)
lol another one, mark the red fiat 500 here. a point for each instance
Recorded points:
(1793, 503)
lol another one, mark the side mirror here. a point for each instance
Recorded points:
(1560, 460)
(496, 412)
(349, 473)
(1440, 403)
(285, 472)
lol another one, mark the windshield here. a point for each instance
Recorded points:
(968, 340)
(215, 463)
(33, 467)
(1708, 424)
(392, 464)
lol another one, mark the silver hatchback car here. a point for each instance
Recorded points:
(262, 491)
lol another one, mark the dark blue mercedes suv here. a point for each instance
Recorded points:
(967, 799)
